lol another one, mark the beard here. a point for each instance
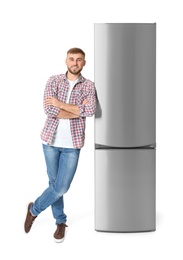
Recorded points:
(74, 71)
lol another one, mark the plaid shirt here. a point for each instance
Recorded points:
(57, 86)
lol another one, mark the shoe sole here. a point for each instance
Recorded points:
(59, 240)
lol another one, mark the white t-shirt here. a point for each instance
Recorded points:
(62, 137)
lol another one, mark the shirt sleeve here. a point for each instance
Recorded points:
(50, 91)
(89, 109)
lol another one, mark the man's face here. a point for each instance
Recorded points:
(75, 62)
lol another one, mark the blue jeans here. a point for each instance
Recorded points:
(61, 167)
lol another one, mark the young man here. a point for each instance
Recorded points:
(68, 99)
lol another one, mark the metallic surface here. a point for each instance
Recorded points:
(125, 190)
(125, 127)
(125, 78)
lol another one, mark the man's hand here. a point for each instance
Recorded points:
(85, 102)
(51, 101)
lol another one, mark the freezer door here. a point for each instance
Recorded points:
(125, 190)
(125, 79)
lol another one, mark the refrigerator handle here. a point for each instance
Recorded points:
(100, 146)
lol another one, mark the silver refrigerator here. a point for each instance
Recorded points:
(125, 127)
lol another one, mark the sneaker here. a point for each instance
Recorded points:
(59, 234)
(29, 219)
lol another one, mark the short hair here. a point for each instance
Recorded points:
(76, 50)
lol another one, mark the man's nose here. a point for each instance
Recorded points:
(75, 62)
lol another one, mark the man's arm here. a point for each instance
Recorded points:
(66, 115)
(66, 110)
(89, 109)
(50, 91)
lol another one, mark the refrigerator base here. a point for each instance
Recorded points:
(106, 231)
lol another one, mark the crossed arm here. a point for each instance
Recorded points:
(66, 110)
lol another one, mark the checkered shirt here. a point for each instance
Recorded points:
(57, 86)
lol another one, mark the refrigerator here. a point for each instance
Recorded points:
(125, 127)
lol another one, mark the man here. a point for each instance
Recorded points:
(68, 99)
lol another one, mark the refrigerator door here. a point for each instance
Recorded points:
(125, 58)
(125, 190)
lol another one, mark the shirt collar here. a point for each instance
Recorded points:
(80, 79)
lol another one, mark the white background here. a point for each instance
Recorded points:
(34, 38)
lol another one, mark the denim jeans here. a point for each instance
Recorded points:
(61, 167)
